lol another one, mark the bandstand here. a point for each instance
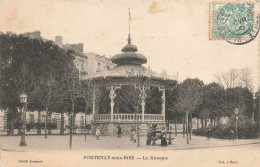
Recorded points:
(129, 72)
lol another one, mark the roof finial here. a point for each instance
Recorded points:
(129, 38)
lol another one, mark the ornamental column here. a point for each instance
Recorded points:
(143, 96)
(162, 89)
(143, 106)
(143, 89)
(112, 95)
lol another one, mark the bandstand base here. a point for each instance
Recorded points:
(111, 128)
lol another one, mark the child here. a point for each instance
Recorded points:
(134, 134)
(98, 133)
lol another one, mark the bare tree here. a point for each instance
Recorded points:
(73, 93)
(246, 79)
(235, 78)
(90, 93)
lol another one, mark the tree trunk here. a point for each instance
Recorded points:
(12, 127)
(10, 121)
(73, 128)
(206, 122)
(45, 127)
(197, 123)
(85, 128)
(45, 123)
(211, 122)
(202, 122)
(187, 126)
(62, 124)
(218, 120)
(50, 124)
(138, 130)
(39, 123)
(183, 127)
(71, 124)
(214, 122)
(190, 125)
(176, 125)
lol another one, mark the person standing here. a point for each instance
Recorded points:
(134, 134)
(98, 133)
(149, 137)
(208, 133)
(163, 137)
(231, 135)
(119, 131)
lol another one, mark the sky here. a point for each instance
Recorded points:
(173, 35)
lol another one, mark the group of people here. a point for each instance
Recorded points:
(153, 135)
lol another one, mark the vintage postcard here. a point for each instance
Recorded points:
(129, 83)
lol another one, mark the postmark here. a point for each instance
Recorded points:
(234, 22)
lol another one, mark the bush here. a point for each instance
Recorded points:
(29, 126)
(51, 126)
(201, 132)
(246, 129)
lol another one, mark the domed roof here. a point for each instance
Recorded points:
(129, 48)
(129, 56)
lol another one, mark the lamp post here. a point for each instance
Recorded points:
(236, 112)
(23, 99)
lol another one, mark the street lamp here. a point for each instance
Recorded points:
(23, 100)
(236, 112)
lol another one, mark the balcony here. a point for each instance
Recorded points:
(128, 118)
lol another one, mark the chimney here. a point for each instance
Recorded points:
(58, 40)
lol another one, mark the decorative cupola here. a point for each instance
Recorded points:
(129, 55)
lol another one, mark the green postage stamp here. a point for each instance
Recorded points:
(235, 22)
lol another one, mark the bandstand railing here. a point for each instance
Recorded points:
(121, 117)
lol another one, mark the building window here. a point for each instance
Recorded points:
(43, 118)
(99, 67)
(31, 117)
(54, 120)
(82, 65)
(81, 120)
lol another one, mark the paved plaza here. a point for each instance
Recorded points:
(54, 152)
(57, 142)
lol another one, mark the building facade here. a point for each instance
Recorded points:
(86, 63)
